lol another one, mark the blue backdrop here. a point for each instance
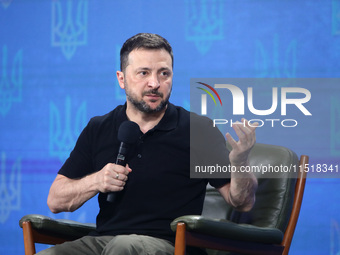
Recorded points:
(57, 70)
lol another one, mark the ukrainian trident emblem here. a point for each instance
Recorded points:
(10, 81)
(204, 23)
(69, 25)
(10, 187)
(64, 131)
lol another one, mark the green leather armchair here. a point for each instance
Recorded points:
(267, 229)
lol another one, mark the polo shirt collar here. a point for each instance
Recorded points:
(121, 116)
(169, 120)
(167, 123)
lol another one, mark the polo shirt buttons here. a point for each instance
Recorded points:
(141, 141)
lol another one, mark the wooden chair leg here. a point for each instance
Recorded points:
(180, 242)
(28, 238)
(299, 190)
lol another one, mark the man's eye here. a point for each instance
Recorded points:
(143, 73)
(165, 73)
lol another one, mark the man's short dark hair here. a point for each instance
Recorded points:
(145, 41)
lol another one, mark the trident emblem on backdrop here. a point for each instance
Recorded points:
(10, 188)
(69, 25)
(10, 81)
(63, 133)
(204, 23)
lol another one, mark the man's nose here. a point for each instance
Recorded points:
(153, 82)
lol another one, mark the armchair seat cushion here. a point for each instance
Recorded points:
(230, 230)
(58, 227)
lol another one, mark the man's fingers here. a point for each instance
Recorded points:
(246, 140)
(114, 177)
(241, 131)
(244, 131)
(128, 168)
(121, 177)
(231, 140)
(245, 134)
(121, 169)
(251, 126)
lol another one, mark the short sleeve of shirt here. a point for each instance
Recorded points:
(222, 158)
(209, 147)
(79, 162)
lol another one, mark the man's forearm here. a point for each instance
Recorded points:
(67, 195)
(242, 190)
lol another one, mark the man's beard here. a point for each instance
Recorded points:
(141, 105)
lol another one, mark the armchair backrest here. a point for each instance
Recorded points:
(274, 197)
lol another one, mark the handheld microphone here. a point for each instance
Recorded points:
(128, 134)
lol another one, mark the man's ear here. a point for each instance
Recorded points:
(120, 78)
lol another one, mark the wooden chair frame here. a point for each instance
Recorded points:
(33, 236)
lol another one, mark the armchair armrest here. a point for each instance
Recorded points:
(66, 228)
(230, 230)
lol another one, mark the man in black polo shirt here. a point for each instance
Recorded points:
(155, 187)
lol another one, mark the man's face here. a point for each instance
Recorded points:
(147, 79)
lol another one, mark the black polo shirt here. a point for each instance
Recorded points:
(159, 188)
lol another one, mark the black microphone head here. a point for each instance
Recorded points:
(128, 132)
